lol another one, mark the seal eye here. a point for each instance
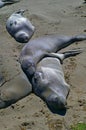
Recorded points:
(39, 77)
(15, 22)
(11, 23)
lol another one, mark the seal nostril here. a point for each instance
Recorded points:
(26, 39)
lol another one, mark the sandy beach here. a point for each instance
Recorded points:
(49, 17)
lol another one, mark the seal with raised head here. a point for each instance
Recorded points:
(35, 50)
(49, 83)
(7, 2)
(19, 27)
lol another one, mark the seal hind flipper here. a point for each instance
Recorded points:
(5, 2)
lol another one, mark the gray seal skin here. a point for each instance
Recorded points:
(19, 87)
(19, 27)
(14, 90)
(35, 50)
(49, 83)
(7, 2)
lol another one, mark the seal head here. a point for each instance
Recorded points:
(19, 27)
(49, 86)
(28, 67)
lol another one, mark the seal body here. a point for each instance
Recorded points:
(35, 50)
(19, 27)
(46, 75)
(14, 90)
(50, 85)
(49, 82)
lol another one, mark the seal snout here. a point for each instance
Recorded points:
(22, 37)
(57, 104)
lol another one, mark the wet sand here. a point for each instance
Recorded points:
(49, 17)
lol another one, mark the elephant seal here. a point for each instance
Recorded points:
(49, 83)
(35, 50)
(19, 27)
(7, 2)
(14, 90)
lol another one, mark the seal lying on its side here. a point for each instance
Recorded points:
(19, 27)
(7, 2)
(35, 50)
(49, 83)
(14, 90)
(48, 80)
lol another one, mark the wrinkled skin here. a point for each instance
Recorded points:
(19, 27)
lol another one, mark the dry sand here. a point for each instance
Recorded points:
(66, 17)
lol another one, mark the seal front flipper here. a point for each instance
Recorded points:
(72, 53)
(55, 55)
(64, 55)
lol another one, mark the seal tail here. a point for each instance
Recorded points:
(79, 37)
(21, 11)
